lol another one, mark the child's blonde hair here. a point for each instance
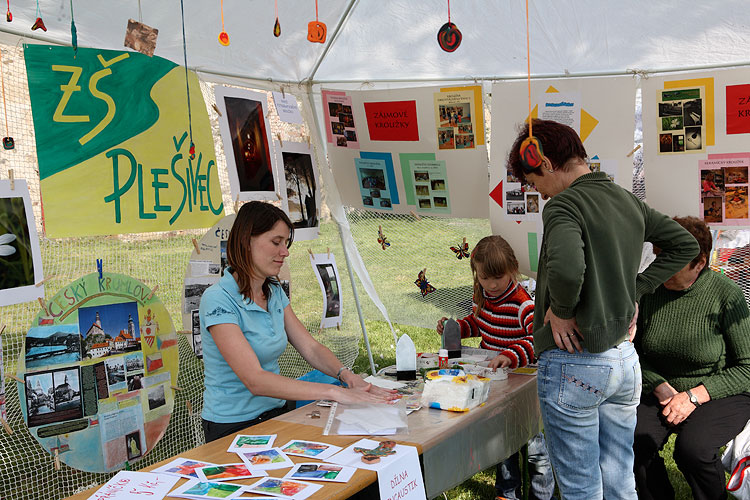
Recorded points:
(495, 258)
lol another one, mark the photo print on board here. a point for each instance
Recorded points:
(299, 188)
(53, 396)
(20, 257)
(52, 345)
(109, 329)
(247, 142)
(340, 127)
(328, 279)
(680, 120)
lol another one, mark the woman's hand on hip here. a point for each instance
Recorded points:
(564, 332)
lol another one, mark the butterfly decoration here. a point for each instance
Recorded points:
(382, 239)
(461, 250)
(423, 284)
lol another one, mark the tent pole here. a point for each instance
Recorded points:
(319, 140)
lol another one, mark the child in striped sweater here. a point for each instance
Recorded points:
(504, 316)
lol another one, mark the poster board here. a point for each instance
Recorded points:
(675, 182)
(113, 140)
(20, 256)
(98, 367)
(403, 160)
(602, 108)
(246, 135)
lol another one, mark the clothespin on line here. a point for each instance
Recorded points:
(152, 292)
(100, 267)
(12, 179)
(278, 196)
(633, 152)
(216, 108)
(14, 377)
(283, 94)
(189, 407)
(6, 426)
(464, 242)
(328, 251)
(309, 141)
(184, 332)
(176, 388)
(45, 280)
(415, 214)
(44, 306)
(2, 330)
(237, 204)
(309, 250)
(195, 244)
(338, 326)
(57, 458)
(278, 136)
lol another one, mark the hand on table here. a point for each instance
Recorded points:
(370, 393)
(355, 382)
(564, 332)
(501, 361)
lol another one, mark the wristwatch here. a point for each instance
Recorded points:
(693, 399)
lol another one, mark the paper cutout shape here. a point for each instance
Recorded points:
(224, 38)
(461, 250)
(449, 37)
(382, 239)
(316, 32)
(140, 37)
(373, 456)
(423, 284)
(277, 28)
(38, 25)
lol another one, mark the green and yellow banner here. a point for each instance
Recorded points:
(113, 143)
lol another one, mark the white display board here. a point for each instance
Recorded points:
(602, 110)
(673, 180)
(416, 150)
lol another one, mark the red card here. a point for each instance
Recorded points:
(392, 121)
(738, 109)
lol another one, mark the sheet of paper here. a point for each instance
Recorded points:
(265, 459)
(196, 489)
(245, 442)
(284, 488)
(310, 449)
(131, 484)
(321, 472)
(227, 472)
(348, 456)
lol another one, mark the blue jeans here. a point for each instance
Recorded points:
(588, 403)
(508, 474)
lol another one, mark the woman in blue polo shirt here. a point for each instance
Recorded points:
(246, 322)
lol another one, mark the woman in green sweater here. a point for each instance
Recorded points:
(694, 342)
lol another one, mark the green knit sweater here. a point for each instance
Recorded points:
(593, 238)
(700, 335)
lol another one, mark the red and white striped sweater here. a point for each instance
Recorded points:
(505, 324)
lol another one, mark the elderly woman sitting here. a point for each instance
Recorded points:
(694, 342)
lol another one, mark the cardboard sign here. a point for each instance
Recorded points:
(113, 139)
(738, 109)
(392, 121)
(402, 478)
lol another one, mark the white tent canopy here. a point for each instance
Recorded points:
(392, 40)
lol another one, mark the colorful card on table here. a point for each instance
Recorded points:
(321, 472)
(183, 467)
(196, 489)
(265, 459)
(284, 488)
(310, 449)
(227, 472)
(126, 484)
(244, 442)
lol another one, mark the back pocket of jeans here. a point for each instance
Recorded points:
(583, 386)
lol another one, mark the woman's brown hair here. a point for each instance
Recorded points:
(495, 258)
(253, 218)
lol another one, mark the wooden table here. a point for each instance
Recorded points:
(454, 446)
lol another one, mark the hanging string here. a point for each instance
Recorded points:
(222, 16)
(8, 15)
(73, 31)
(275, 8)
(316, 10)
(140, 14)
(528, 64)
(38, 10)
(2, 80)
(449, 11)
(187, 81)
